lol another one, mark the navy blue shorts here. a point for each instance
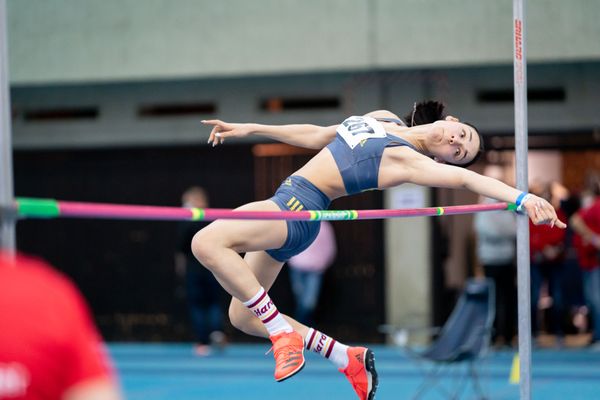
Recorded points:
(298, 194)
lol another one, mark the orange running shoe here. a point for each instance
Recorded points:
(288, 350)
(361, 372)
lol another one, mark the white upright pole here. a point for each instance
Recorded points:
(7, 222)
(523, 277)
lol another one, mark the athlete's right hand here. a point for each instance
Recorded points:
(222, 130)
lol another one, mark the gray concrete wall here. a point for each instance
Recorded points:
(54, 41)
(238, 99)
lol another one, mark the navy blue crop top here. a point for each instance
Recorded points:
(357, 150)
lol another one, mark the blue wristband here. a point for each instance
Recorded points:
(520, 198)
(523, 197)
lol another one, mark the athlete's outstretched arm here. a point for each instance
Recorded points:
(424, 171)
(302, 135)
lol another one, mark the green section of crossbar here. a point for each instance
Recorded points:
(197, 214)
(44, 208)
(333, 215)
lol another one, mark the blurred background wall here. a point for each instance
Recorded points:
(74, 41)
(107, 97)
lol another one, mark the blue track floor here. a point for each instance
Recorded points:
(160, 372)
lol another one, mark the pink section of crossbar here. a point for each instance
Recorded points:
(211, 214)
(122, 211)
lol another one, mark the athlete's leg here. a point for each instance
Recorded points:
(266, 269)
(357, 363)
(217, 247)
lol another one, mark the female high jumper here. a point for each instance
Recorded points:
(374, 151)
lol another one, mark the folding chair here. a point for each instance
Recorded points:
(462, 342)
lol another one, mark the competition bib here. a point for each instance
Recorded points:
(355, 130)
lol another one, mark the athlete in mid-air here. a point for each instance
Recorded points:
(374, 151)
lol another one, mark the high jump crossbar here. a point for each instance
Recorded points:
(49, 208)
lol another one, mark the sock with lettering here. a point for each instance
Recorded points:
(262, 306)
(326, 346)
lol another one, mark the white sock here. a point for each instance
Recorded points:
(326, 346)
(262, 306)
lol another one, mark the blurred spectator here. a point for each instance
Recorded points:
(546, 249)
(586, 223)
(572, 278)
(496, 248)
(49, 346)
(306, 272)
(203, 292)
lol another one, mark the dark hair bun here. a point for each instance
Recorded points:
(425, 112)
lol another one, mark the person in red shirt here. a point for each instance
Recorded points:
(546, 249)
(586, 223)
(49, 347)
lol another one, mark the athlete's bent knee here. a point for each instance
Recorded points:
(204, 247)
